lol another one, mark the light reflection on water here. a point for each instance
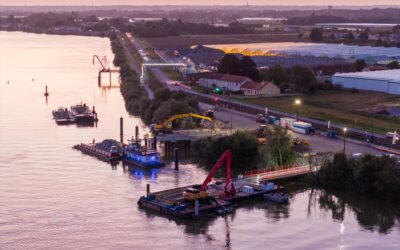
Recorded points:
(52, 195)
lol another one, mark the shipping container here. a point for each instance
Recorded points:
(303, 128)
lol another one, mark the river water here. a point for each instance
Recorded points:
(52, 196)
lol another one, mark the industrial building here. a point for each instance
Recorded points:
(387, 81)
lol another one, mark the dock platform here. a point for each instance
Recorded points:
(171, 202)
(90, 149)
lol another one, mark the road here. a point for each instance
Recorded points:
(241, 120)
(318, 143)
(132, 62)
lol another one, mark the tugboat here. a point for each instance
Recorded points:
(83, 113)
(141, 156)
(63, 116)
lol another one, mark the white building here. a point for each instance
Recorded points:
(387, 81)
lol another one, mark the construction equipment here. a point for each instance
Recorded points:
(166, 126)
(260, 118)
(261, 134)
(297, 142)
(196, 192)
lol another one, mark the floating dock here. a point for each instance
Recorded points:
(90, 149)
(172, 203)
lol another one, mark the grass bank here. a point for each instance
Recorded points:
(343, 107)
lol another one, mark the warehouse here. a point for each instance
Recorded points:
(387, 81)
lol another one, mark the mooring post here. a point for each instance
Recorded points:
(176, 155)
(99, 79)
(110, 78)
(121, 129)
(46, 93)
(94, 110)
(145, 142)
(147, 189)
(196, 208)
(136, 133)
(155, 142)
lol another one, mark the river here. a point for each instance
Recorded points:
(52, 196)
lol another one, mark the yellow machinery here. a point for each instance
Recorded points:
(298, 141)
(166, 125)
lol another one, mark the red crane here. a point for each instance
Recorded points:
(226, 156)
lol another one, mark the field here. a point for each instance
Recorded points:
(342, 107)
(189, 40)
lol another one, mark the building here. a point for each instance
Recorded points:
(261, 20)
(229, 82)
(260, 89)
(387, 81)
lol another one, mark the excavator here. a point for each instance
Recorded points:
(166, 126)
(200, 192)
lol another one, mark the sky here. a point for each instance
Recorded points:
(199, 2)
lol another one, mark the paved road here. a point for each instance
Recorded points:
(318, 143)
(135, 67)
(245, 121)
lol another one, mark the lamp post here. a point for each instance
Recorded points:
(344, 139)
(297, 103)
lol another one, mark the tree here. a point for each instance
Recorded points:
(248, 68)
(360, 65)
(349, 36)
(303, 78)
(393, 65)
(279, 149)
(229, 64)
(276, 74)
(316, 35)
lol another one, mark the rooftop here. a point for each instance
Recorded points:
(234, 78)
(389, 75)
(253, 85)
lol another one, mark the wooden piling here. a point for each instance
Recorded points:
(196, 208)
(121, 129)
(155, 142)
(147, 189)
(176, 155)
(136, 133)
(46, 93)
(99, 79)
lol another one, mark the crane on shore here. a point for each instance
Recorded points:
(105, 67)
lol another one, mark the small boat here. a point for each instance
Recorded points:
(141, 156)
(277, 197)
(83, 113)
(63, 116)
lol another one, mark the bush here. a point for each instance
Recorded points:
(244, 146)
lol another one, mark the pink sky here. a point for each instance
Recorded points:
(198, 2)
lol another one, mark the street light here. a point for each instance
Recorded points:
(344, 139)
(297, 103)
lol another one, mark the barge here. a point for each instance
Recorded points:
(83, 114)
(63, 116)
(107, 150)
(215, 198)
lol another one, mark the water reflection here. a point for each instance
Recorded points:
(372, 215)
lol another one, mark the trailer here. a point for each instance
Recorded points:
(303, 128)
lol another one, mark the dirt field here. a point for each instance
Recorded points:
(189, 40)
(351, 109)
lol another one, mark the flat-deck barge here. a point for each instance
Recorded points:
(91, 149)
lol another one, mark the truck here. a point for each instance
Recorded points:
(303, 128)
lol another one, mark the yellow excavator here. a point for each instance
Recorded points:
(166, 126)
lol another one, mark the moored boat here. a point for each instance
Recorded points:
(63, 116)
(139, 155)
(82, 113)
(278, 197)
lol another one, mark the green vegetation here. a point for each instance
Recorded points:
(165, 102)
(231, 64)
(378, 177)
(243, 144)
(247, 152)
(279, 150)
(175, 28)
(343, 107)
(316, 35)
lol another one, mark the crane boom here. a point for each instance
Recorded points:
(172, 118)
(226, 156)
